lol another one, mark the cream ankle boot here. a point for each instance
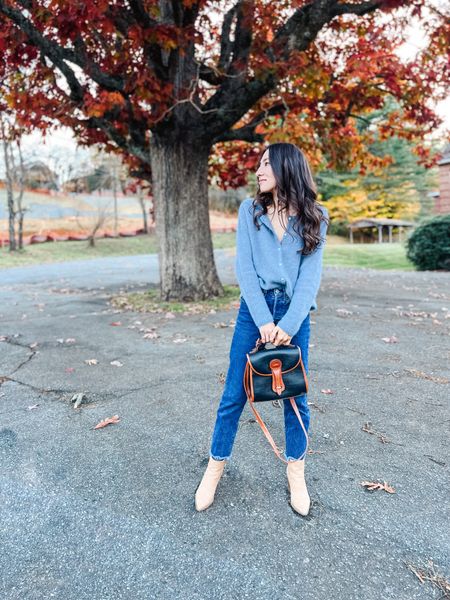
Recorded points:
(204, 495)
(300, 500)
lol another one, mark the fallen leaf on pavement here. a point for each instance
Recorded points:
(108, 421)
(116, 323)
(147, 329)
(327, 391)
(376, 485)
(91, 361)
(344, 312)
(367, 427)
(152, 335)
(428, 572)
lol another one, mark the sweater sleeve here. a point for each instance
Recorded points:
(306, 286)
(246, 273)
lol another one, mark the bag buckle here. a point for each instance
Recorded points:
(276, 367)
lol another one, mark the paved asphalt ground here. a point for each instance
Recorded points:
(109, 514)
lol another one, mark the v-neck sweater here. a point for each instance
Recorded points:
(263, 262)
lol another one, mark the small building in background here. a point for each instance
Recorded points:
(38, 175)
(442, 198)
(367, 226)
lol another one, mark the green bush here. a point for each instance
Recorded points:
(338, 228)
(428, 247)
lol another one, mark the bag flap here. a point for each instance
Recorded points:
(289, 355)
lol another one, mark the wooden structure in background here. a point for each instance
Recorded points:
(442, 202)
(379, 224)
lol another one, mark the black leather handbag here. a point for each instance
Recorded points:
(274, 373)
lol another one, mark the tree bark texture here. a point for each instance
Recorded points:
(9, 193)
(143, 208)
(180, 189)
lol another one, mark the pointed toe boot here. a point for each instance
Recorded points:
(204, 495)
(300, 500)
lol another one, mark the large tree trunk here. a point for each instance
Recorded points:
(180, 189)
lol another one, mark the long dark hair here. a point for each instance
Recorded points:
(295, 189)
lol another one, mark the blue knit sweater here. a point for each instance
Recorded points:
(263, 262)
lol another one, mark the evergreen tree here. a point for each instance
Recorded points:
(397, 188)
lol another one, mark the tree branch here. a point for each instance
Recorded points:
(225, 43)
(215, 74)
(48, 49)
(137, 128)
(141, 15)
(243, 36)
(247, 133)
(58, 55)
(152, 51)
(210, 74)
(234, 98)
(121, 141)
(90, 68)
(357, 9)
(360, 118)
(243, 134)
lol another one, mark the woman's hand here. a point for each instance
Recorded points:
(274, 334)
(278, 336)
(265, 332)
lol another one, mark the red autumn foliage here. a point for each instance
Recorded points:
(114, 72)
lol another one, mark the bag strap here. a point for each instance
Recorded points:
(263, 425)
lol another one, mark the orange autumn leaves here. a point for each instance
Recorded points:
(108, 421)
(376, 485)
(322, 92)
(105, 101)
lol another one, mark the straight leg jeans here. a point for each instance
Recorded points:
(234, 398)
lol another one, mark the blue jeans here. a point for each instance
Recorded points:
(234, 398)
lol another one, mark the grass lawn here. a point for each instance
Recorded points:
(337, 252)
(374, 256)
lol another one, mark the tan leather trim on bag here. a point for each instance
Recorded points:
(270, 374)
(270, 438)
(306, 378)
(277, 377)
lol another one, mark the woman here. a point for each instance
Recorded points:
(279, 246)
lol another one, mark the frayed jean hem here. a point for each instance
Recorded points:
(219, 457)
(291, 458)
